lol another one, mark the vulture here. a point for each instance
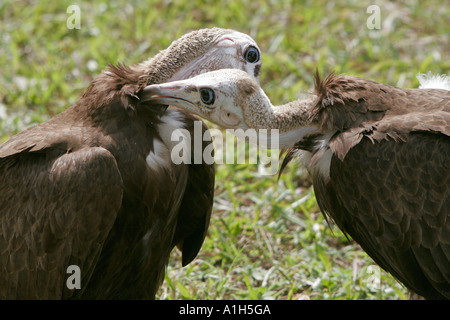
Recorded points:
(379, 157)
(91, 204)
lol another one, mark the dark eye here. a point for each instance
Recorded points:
(207, 95)
(251, 55)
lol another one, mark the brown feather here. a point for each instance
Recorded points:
(401, 227)
(389, 175)
(77, 189)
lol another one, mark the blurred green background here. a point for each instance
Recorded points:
(267, 239)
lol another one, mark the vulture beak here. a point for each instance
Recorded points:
(169, 94)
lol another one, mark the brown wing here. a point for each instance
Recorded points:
(393, 198)
(345, 101)
(197, 203)
(56, 211)
(389, 175)
(358, 107)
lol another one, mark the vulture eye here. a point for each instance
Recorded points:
(251, 55)
(207, 95)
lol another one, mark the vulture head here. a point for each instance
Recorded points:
(202, 51)
(194, 53)
(233, 99)
(228, 97)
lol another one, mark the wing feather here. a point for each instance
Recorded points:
(54, 212)
(404, 230)
(197, 203)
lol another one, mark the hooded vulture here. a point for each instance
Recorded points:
(94, 187)
(379, 157)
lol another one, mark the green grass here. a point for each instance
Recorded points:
(267, 238)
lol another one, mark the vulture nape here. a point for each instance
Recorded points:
(379, 157)
(94, 188)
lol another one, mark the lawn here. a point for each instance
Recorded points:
(267, 238)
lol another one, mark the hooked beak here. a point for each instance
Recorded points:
(167, 94)
(164, 94)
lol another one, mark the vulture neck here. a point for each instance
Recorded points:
(167, 64)
(293, 121)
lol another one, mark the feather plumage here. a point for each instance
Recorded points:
(389, 175)
(78, 189)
